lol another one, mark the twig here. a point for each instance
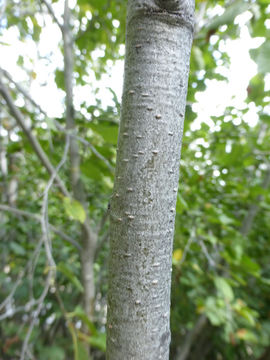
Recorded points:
(3, 8)
(32, 139)
(14, 288)
(192, 335)
(40, 303)
(23, 91)
(38, 218)
(186, 249)
(44, 210)
(50, 10)
(254, 208)
(19, 279)
(206, 253)
(57, 124)
(96, 152)
(24, 308)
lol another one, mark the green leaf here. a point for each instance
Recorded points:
(250, 266)
(81, 351)
(261, 56)
(198, 57)
(224, 219)
(80, 313)
(181, 204)
(91, 171)
(248, 315)
(224, 288)
(108, 132)
(98, 341)
(215, 313)
(238, 7)
(64, 269)
(74, 209)
(256, 88)
(17, 248)
(52, 352)
(59, 79)
(246, 335)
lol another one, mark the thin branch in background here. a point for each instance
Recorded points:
(40, 303)
(186, 249)
(29, 265)
(57, 124)
(14, 288)
(44, 210)
(50, 10)
(32, 139)
(48, 249)
(3, 8)
(254, 208)
(96, 152)
(184, 350)
(211, 261)
(38, 218)
(23, 91)
(11, 312)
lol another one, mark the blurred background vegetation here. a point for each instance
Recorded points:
(221, 269)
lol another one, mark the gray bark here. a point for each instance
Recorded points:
(88, 236)
(158, 42)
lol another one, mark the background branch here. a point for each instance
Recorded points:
(50, 10)
(38, 218)
(32, 139)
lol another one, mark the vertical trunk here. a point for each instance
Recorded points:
(158, 43)
(88, 237)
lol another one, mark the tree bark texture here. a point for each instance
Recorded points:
(88, 236)
(158, 42)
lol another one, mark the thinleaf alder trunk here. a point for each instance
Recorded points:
(158, 42)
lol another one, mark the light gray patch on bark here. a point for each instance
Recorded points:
(146, 182)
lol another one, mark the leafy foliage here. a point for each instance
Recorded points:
(221, 266)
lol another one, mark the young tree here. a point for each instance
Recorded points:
(158, 42)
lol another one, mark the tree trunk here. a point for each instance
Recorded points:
(88, 236)
(158, 42)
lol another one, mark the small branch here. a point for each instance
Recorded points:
(38, 218)
(26, 308)
(192, 335)
(254, 208)
(95, 152)
(14, 288)
(23, 91)
(21, 275)
(207, 255)
(40, 303)
(186, 249)
(32, 139)
(57, 124)
(3, 8)
(44, 210)
(50, 10)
